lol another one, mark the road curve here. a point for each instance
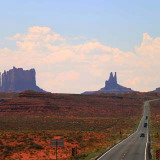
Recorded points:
(134, 147)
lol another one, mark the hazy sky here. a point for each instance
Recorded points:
(75, 44)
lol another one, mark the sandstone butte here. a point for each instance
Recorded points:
(111, 86)
(18, 80)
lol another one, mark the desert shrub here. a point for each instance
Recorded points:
(82, 156)
(1, 143)
(9, 148)
(35, 146)
(92, 140)
(69, 140)
(2, 146)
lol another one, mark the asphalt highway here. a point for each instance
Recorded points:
(134, 147)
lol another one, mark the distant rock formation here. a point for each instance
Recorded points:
(112, 82)
(17, 80)
(156, 90)
(111, 86)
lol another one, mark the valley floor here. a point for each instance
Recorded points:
(30, 138)
(90, 123)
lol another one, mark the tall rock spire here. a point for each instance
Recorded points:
(115, 77)
(4, 80)
(111, 77)
(111, 86)
(112, 81)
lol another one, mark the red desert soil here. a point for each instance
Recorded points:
(100, 105)
(91, 123)
(155, 127)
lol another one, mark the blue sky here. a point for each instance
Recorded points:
(103, 25)
(115, 23)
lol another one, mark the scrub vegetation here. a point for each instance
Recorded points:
(155, 128)
(91, 123)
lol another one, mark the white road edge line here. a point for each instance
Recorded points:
(121, 141)
(124, 139)
(145, 157)
(116, 146)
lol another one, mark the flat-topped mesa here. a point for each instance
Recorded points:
(17, 80)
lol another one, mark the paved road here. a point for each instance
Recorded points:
(134, 147)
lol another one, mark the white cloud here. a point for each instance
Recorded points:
(67, 76)
(62, 66)
(15, 37)
(38, 34)
(59, 81)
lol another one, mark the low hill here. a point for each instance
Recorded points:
(37, 103)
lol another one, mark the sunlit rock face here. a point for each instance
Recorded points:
(111, 86)
(17, 80)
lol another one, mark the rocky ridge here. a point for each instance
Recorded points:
(156, 90)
